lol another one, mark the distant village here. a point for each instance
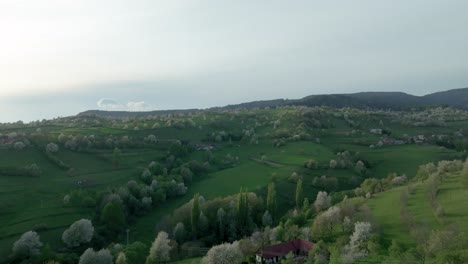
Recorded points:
(407, 139)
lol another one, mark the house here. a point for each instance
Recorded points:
(273, 254)
(376, 131)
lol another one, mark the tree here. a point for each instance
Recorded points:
(358, 244)
(395, 249)
(52, 148)
(90, 256)
(113, 216)
(361, 235)
(116, 157)
(299, 196)
(179, 233)
(146, 176)
(306, 204)
(19, 145)
(347, 224)
(311, 164)
(121, 259)
(271, 200)
(195, 216)
(203, 224)
(152, 139)
(224, 254)
(441, 241)
(160, 249)
(221, 219)
(242, 211)
(136, 252)
(323, 201)
(28, 245)
(80, 232)
(319, 253)
(266, 219)
(333, 216)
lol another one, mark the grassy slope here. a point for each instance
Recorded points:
(26, 201)
(453, 198)
(386, 210)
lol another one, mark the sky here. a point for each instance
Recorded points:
(61, 57)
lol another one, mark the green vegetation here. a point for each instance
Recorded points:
(137, 176)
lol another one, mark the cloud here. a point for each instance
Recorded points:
(110, 104)
(138, 106)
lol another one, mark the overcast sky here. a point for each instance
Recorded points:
(60, 57)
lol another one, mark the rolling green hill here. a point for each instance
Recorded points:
(214, 153)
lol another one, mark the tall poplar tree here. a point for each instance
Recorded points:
(195, 217)
(271, 200)
(242, 211)
(299, 197)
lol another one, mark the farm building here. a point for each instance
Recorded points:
(273, 254)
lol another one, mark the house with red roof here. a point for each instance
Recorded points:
(273, 254)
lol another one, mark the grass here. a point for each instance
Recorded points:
(28, 201)
(403, 159)
(386, 211)
(452, 196)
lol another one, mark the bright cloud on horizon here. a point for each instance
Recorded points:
(111, 104)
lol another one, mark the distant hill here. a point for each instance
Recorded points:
(375, 100)
(124, 114)
(455, 97)
(363, 100)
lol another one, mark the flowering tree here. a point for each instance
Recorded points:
(224, 254)
(27, 245)
(78, 233)
(160, 249)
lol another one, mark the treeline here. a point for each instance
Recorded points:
(27, 171)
